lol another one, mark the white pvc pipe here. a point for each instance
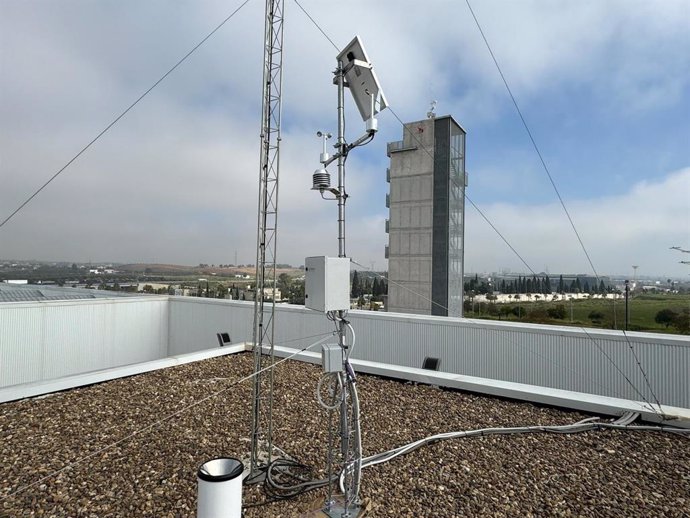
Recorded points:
(220, 489)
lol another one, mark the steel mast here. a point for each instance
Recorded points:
(262, 338)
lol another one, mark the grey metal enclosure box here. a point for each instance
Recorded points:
(331, 358)
(327, 283)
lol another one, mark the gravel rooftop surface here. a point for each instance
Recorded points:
(153, 474)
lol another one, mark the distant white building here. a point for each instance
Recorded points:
(268, 294)
(102, 271)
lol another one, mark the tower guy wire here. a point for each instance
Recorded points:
(162, 420)
(317, 26)
(481, 213)
(553, 183)
(645, 377)
(117, 119)
(534, 143)
(530, 350)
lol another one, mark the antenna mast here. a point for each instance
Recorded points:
(262, 338)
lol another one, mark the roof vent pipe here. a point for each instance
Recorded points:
(220, 488)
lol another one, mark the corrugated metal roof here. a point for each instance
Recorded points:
(37, 293)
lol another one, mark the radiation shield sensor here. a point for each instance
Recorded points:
(362, 80)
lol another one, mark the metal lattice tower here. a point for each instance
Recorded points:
(262, 339)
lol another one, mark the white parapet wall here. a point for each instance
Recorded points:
(194, 322)
(50, 340)
(595, 361)
(42, 341)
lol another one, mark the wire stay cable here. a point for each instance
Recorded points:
(551, 180)
(157, 423)
(529, 349)
(531, 138)
(488, 221)
(637, 391)
(117, 119)
(481, 213)
(498, 232)
(608, 357)
(317, 26)
(644, 373)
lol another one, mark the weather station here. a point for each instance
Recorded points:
(327, 287)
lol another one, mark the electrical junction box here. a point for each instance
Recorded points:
(327, 283)
(331, 358)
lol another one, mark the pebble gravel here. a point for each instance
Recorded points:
(113, 450)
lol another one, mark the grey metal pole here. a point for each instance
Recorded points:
(342, 197)
(627, 308)
(340, 78)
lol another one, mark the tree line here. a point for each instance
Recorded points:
(376, 288)
(535, 284)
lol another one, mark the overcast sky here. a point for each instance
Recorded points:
(603, 84)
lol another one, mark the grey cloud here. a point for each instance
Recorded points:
(176, 180)
(636, 227)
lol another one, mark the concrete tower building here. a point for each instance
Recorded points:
(427, 215)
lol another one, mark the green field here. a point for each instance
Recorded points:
(643, 310)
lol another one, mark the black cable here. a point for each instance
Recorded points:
(295, 479)
(116, 120)
(361, 144)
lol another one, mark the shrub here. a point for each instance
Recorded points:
(557, 311)
(666, 317)
(596, 316)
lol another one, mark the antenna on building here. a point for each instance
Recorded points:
(431, 113)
